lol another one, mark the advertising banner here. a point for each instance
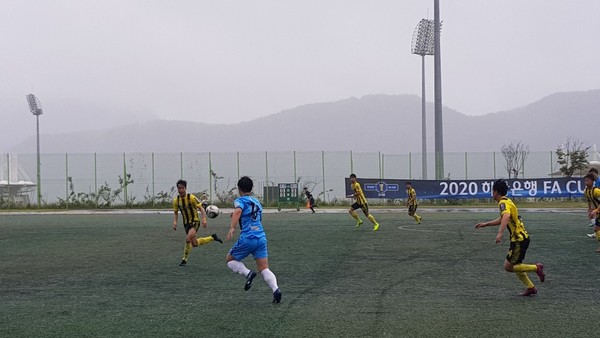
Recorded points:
(452, 189)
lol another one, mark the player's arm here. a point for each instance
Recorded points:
(235, 218)
(596, 211)
(504, 218)
(411, 199)
(175, 215)
(202, 214)
(487, 224)
(354, 192)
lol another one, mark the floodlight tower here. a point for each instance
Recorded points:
(439, 133)
(423, 44)
(35, 107)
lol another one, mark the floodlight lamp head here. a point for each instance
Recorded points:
(35, 107)
(423, 38)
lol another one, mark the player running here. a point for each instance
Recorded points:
(519, 238)
(592, 195)
(361, 203)
(411, 202)
(252, 240)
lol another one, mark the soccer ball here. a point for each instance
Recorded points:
(212, 211)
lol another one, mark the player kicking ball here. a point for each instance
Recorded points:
(189, 205)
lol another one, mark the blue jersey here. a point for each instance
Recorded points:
(251, 218)
(597, 182)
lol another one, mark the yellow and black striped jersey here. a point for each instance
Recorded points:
(412, 196)
(592, 195)
(188, 206)
(515, 225)
(358, 193)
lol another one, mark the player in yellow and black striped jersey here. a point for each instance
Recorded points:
(519, 238)
(411, 202)
(189, 205)
(361, 203)
(592, 195)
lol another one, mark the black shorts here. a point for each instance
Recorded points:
(364, 208)
(412, 209)
(517, 251)
(194, 225)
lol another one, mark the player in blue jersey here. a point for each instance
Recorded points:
(252, 241)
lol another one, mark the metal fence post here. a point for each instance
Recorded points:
(210, 177)
(323, 168)
(153, 191)
(96, 179)
(67, 180)
(466, 167)
(8, 195)
(410, 165)
(125, 180)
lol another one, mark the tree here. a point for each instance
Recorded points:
(123, 183)
(226, 196)
(572, 156)
(515, 155)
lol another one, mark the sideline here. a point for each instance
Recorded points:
(283, 211)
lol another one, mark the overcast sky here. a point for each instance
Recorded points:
(225, 61)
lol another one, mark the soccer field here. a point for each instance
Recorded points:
(116, 275)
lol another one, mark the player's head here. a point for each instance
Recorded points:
(245, 184)
(501, 187)
(352, 178)
(408, 184)
(593, 171)
(181, 186)
(589, 179)
(305, 188)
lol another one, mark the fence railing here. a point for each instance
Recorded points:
(149, 178)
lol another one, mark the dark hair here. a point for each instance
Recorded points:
(245, 184)
(182, 182)
(500, 187)
(590, 176)
(593, 170)
(352, 176)
(407, 182)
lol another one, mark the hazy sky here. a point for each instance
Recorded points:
(225, 61)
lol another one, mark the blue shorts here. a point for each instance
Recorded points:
(256, 247)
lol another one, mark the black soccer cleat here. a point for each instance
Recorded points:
(277, 296)
(216, 238)
(183, 263)
(249, 279)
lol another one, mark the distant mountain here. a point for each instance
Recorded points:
(386, 123)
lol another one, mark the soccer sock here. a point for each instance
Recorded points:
(372, 219)
(270, 279)
(525, 268)
(525, 279)
(204, 240)
(416, 217)
(239, 267)
(186, 251)
(597, 235)
(355, 216)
